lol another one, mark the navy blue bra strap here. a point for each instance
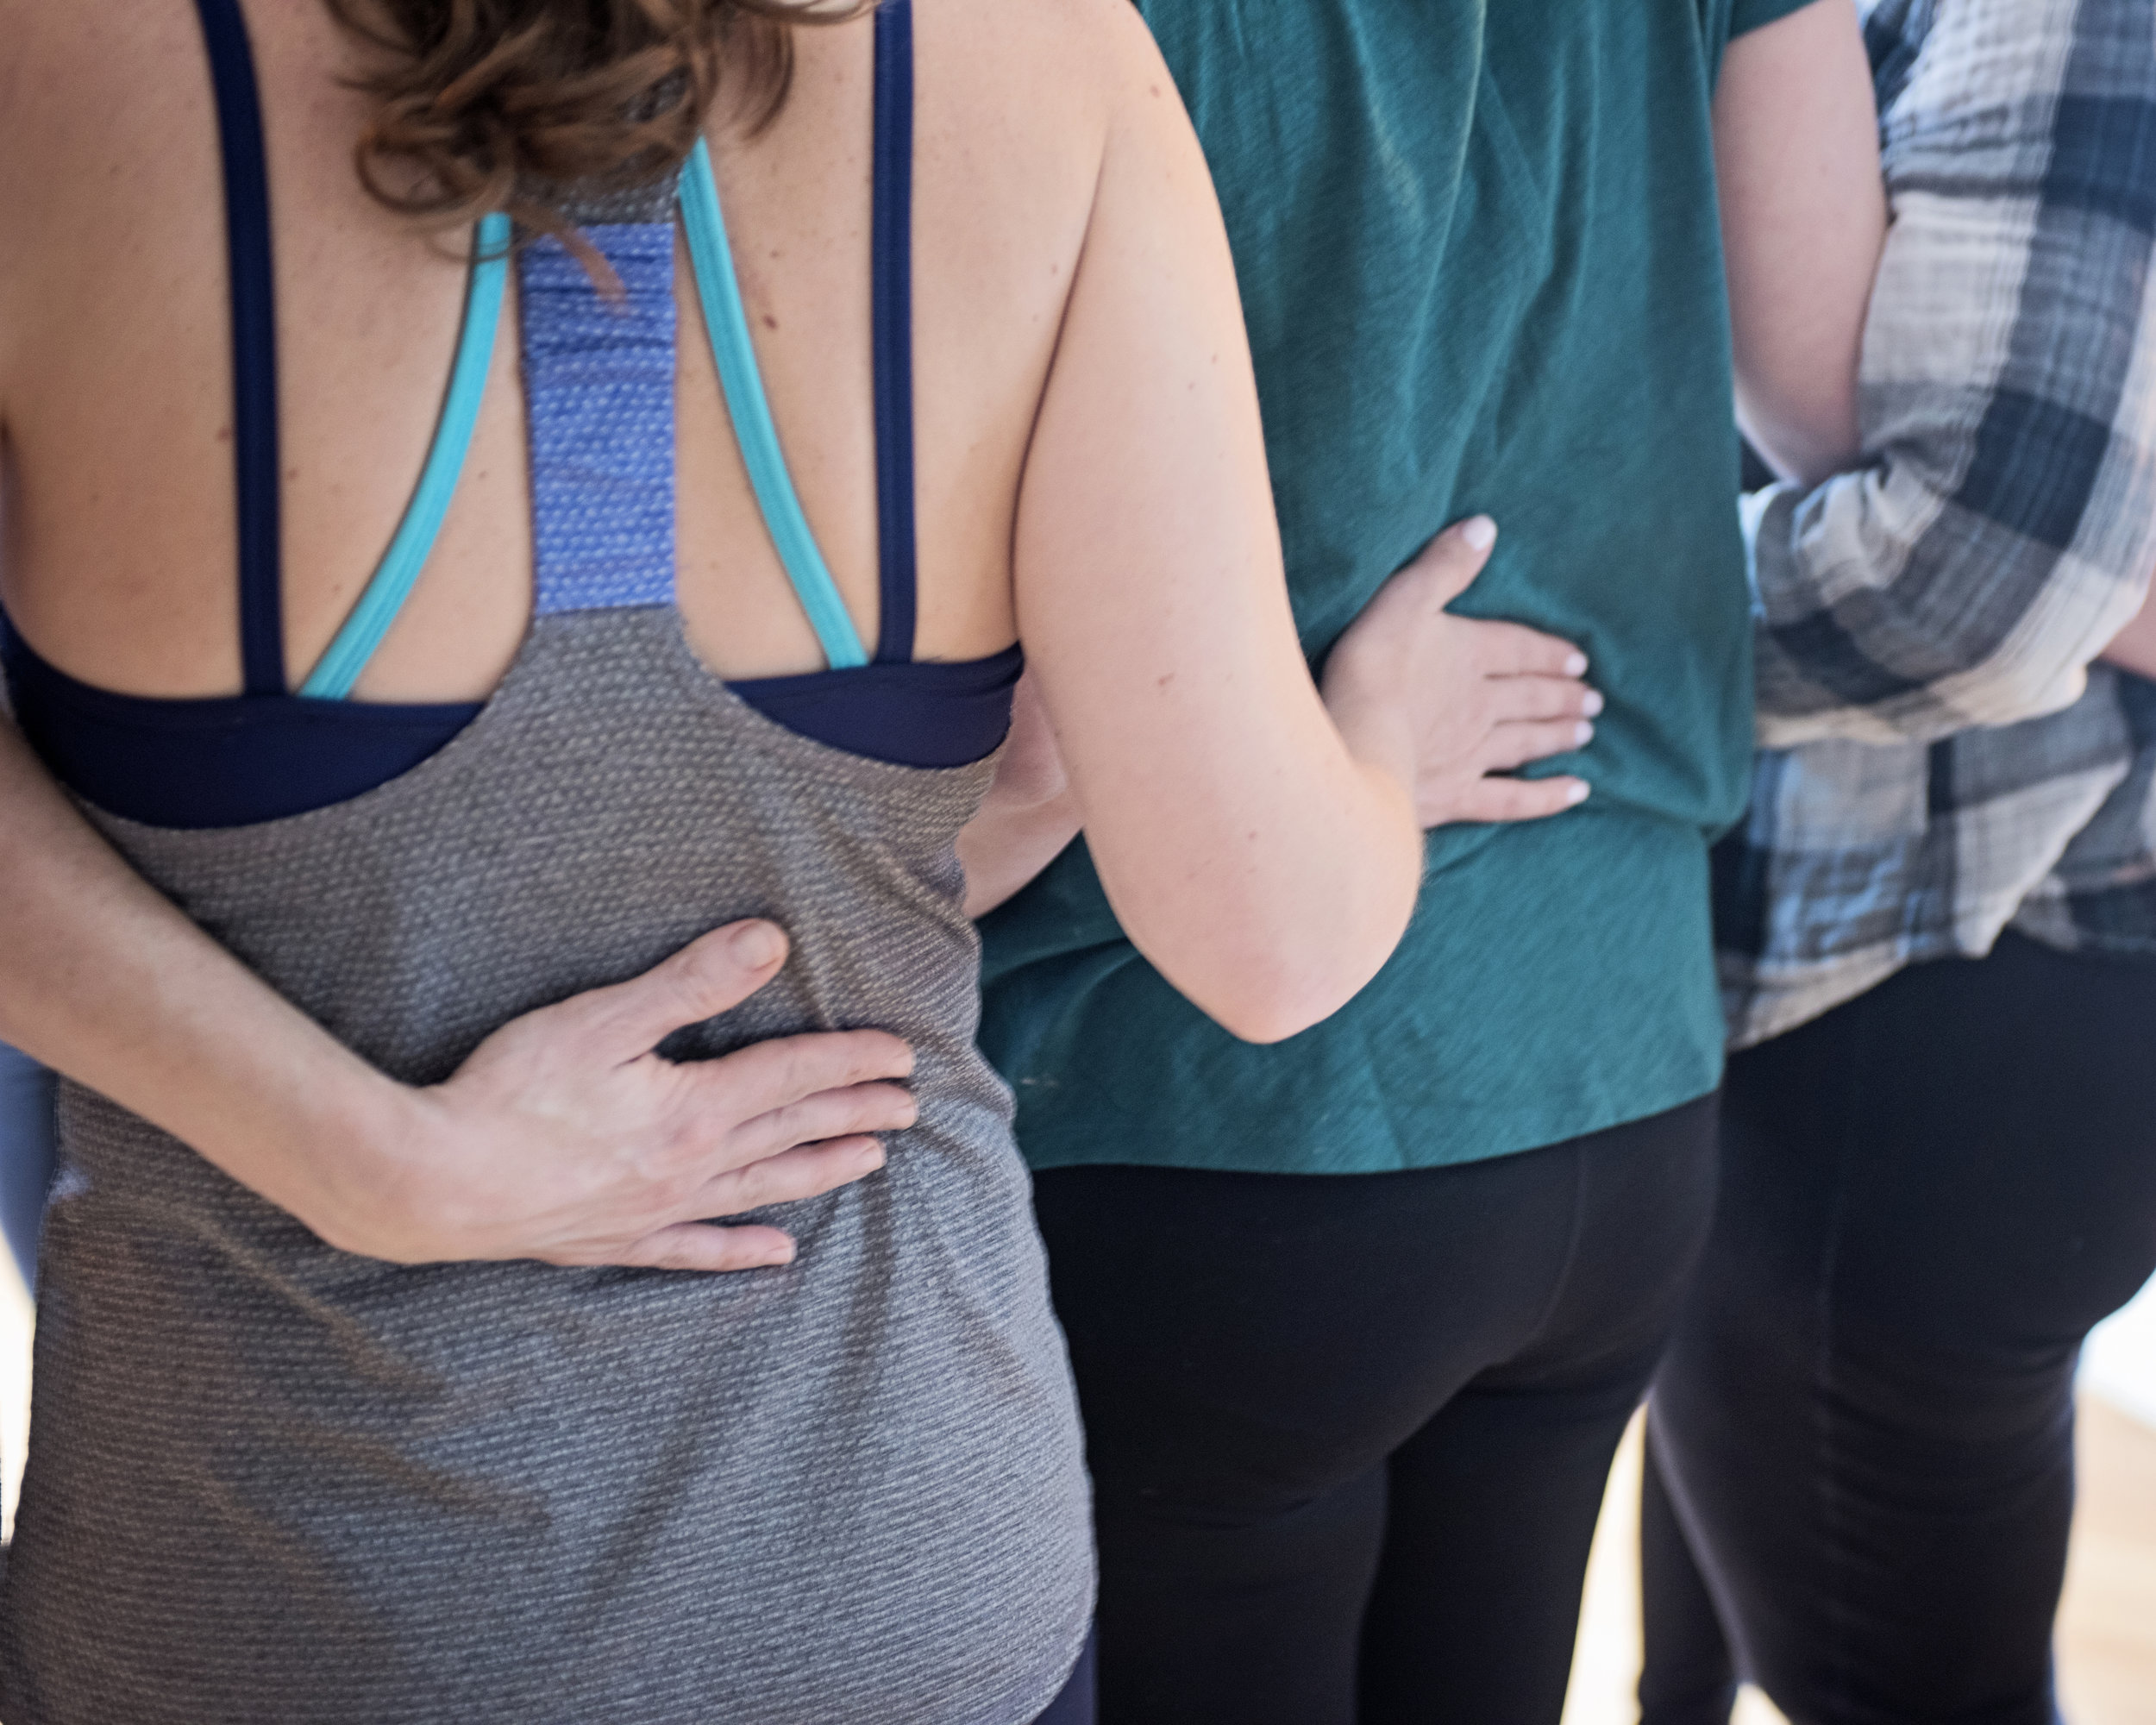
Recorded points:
(892, 296)
(254, 344)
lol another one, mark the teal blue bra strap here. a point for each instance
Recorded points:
(340, 667)
(726, 323)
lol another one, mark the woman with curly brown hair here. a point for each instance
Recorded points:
(384, 1372)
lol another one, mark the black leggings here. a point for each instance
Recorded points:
(1349, 1432)
(1864, 1427)
(1075, 1705)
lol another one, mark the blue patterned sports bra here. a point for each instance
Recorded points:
(269, 753)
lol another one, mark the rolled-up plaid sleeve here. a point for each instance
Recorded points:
(2005, 527)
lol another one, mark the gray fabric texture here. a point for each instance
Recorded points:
(273, 1482)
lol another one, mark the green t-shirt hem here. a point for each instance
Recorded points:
(1482, 272)
(1484, 1139)
(1558, 980)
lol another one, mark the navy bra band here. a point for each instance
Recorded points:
(892, 298)
(254, 295)
(220, 760)
(269, 754)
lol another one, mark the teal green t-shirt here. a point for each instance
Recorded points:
(1479, 256)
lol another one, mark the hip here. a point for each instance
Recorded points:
(270, 1480)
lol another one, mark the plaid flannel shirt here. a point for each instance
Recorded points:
(1939, 758)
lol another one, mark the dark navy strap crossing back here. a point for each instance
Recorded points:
(253, 296)
(598, 375)
(891, 241)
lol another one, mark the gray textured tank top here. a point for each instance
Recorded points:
(272, 1481)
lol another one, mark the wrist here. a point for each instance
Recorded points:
(1375, 730)
(357, 1183)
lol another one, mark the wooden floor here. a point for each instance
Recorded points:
(2107, 1629)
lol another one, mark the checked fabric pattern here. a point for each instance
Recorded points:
(1939, 758)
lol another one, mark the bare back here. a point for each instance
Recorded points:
(1089, 465)
(114, 349)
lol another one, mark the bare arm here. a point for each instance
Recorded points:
(1797, 156)
(1970, 570)
(1265, 863)
(1487, 697)
(563, 1137)
(1167, 703)
(1260, 844)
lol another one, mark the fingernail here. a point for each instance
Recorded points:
(1578, 793)
(1480, 532)
(781, 1255)
(1575, 666)
(1593, 704)
(872, 1155)
(1582, 733)
(757, 945)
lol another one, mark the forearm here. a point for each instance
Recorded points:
(1888, 614)
(2133, 648)
(103, 980)
(1269, 894)
(1987, 553)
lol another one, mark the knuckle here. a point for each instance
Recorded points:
(751, 1188)
(785, 1125)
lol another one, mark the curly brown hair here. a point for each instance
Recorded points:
(495, 104)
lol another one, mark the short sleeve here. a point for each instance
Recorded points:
(1749, 14)
(1723, 20)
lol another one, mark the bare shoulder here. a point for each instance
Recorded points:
(1056, 59)
(95, 60)
(84, 88)
(85, 84)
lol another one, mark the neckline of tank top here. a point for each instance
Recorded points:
(275, 748)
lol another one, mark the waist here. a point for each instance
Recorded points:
(642, 1489)
(1557, 979)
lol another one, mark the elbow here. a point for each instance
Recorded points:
(1807, 442)
(1266, 996)
(1268, 953)
(1265, 1019)
(1264, 1016)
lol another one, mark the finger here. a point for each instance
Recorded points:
(1447, 566)
(829, 1114)
(1512, 701)
(785, 1179)
(765, 1077)
(1514, 745)
(1520, 798)
(1512, 650)
(711, 974)
(701, 1246)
